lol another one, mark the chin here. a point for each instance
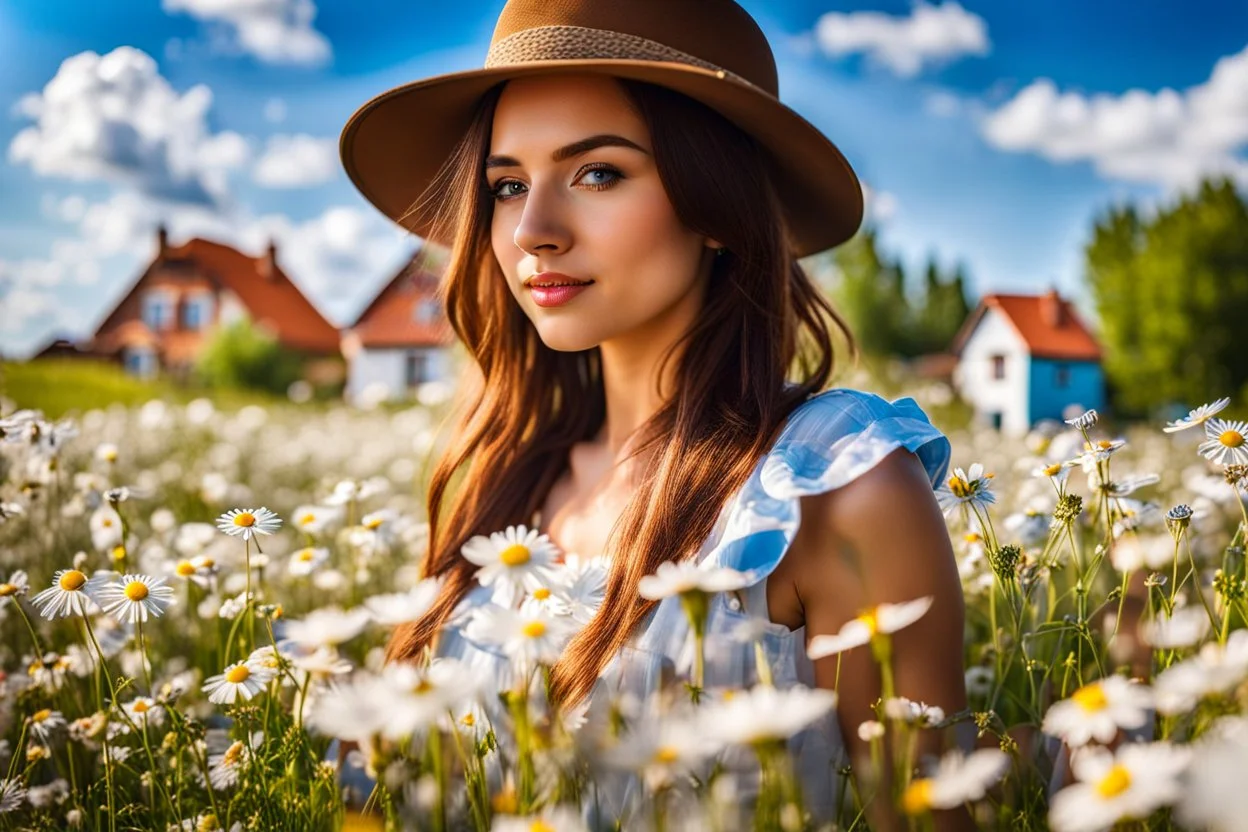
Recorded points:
(568, 341)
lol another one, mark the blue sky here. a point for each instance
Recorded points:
(990, 133)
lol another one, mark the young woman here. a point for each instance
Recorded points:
(625, 199)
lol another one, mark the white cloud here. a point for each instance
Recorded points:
(275, 31)
(115, 118)
(906, 45)
(1167, 137)
(942, 104)
(298, 161)
(878, 206)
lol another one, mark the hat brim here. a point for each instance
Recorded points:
(393, 146)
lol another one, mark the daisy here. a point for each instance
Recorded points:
(966, 488)
(1185, 627)
(199, 570)
(552, 819)
(401, 607)
(416, 698)
(1198, 416)
(1099, 451)
(661, 750)
(145, 712)
(1132, 783)
(70, 594)
(224, 768)
(8, 510)
(584, 582)
(315, 519)
(1215, 669)
(513, 560)
(1226, 442)
(326, 627)
(306, 560)
(12, 795)
(881, 619)
(248, 522)
(526, 636)
(901, 709)
(105, 526)
(1097, 711)
(135, 597)
(1083, 421)
(15, 587)
(1214, 796)
(957, 779)
(686, 578)
(764, 713)
(46, 724)
(238, 680)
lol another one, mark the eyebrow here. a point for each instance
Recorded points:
(568, 151)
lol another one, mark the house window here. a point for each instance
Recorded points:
(1061, 375)
(994, 419)
(427, 310)
(140, 362)
(417, 368)
(157, 310)
(998, 366)
(197, 311)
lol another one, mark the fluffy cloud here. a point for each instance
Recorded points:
(905, 45)
(114, 118)
(298, 161)
(275, 31)
(879, 206)
(1167, 137)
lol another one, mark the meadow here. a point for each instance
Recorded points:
(195, 596)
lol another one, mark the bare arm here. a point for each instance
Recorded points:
(882, 539)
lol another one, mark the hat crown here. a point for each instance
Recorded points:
(715, 32)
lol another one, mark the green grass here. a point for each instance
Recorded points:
(63, 386)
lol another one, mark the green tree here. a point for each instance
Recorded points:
(243, 355)
(942, 310)
(1171, 293)
(869, 291)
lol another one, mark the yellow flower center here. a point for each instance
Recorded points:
(119, 553)
(206, 563)
(72, 580)
(141, 707)
(972, 537)
(307, 519)
(1053, 470)
(541, 593)
(237, 675)
(468, 719)
(515, 555)
(1115, 783)
(34, 668)
(40, 716)
(185, 569)
(917, 797)
(1105, 444)
(1090, 697)
(244, 519)
(535, 629)
(873, 623)
(233, 753)
(959, 487)
(1231, 438)
(666, 754)
(136, 591)
(306, 555)
(422, 687)
(373, 523)
(208, 823)
(541, 826)
(106, 522)
(7, 590)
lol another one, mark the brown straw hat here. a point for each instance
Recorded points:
(709, 50)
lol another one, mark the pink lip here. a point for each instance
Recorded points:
(556, 295)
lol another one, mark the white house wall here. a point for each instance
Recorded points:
(376, 369)
(973, 376)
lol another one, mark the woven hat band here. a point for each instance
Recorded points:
(573, 43)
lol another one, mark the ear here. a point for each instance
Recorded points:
(712, 244)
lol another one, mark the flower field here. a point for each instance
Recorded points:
(194, 605)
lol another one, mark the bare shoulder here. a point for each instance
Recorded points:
(879, 538)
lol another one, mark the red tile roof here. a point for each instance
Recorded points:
(391, 319)
(1048, 325)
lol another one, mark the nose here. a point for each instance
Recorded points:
(542, 225)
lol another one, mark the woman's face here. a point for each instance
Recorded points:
(576, 191)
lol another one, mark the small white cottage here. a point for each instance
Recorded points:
(401, 340)
(1023, 358)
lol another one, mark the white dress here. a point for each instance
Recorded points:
(828, 440)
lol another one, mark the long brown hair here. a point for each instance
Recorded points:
(516, 423)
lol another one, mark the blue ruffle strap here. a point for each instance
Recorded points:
(829, 440)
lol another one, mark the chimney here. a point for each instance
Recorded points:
(268, 264)
(1051, 309)
(162, 240)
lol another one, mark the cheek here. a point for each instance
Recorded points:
(642, 239)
